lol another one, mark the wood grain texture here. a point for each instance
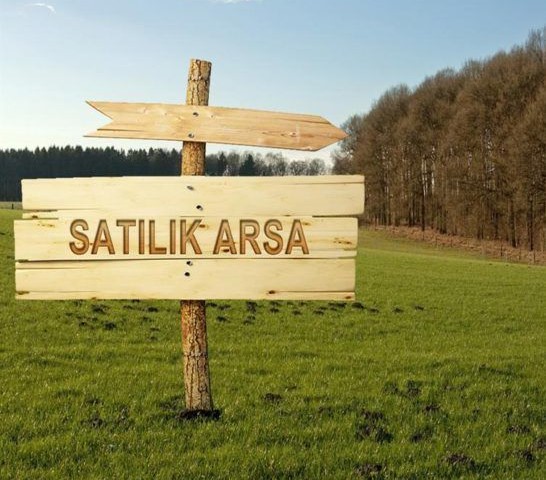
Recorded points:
(328, 195)
(49, 239)
(193, 314)
(319, 279)
(197, 385)
(232, 126)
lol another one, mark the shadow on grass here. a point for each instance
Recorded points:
(174, 409)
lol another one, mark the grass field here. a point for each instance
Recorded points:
(10, 205)
(438, 371)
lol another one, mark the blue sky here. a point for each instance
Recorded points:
(326, 57)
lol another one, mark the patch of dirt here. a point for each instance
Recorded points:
(369, 470)
(498, 249)
(412, 390)
(251, 306)
(460, 460)
(272, 398)
(431, 408)
(94, 421)
(173, 408)
(100, 308)
(526, 455)
(540, 443)
(421, 435)
(373, 425)
(518, 429)
(186, 415)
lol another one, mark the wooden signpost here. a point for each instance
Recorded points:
(193, 237)
(233, 126)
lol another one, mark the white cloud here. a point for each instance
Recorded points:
(51, 8)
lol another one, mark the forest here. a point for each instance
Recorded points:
(463, 153)
(71, 161)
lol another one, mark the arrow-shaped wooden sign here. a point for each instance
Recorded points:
(235, 126)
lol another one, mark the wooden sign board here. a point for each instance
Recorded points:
(234, 126)
(188, 237)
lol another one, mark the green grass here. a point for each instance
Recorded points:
(11, 205)
(439, 372)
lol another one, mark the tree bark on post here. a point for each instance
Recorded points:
(193, 317)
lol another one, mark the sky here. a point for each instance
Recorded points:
(327, 57)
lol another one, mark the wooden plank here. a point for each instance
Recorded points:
(328, 195)
(317, 279)
(234, 126)
(138, 238)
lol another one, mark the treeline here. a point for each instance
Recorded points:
(87, 162)
(463, 153)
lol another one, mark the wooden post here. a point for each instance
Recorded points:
(194, 326)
